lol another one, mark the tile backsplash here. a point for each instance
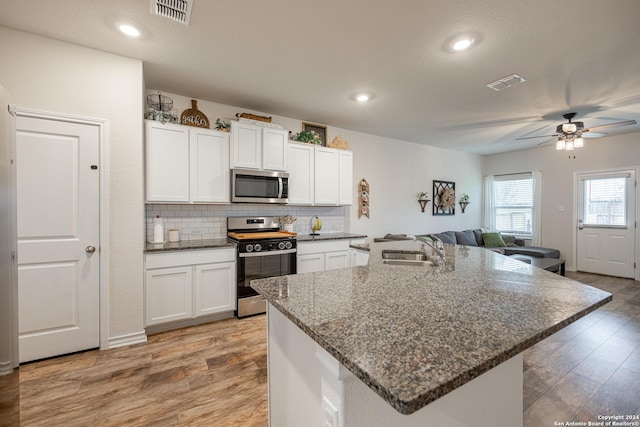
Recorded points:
(210, 221)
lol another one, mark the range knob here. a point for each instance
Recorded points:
(281, 245)
(257, 247)
(288, 245)
(249, 248)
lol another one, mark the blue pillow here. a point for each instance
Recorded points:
(446, 237)
(467, 238)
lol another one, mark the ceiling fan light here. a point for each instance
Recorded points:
(560, 144)
(579, 142)
(569, 127)
(569, 146)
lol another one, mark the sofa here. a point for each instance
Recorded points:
(507, 245)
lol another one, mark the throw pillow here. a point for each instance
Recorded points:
(493, 240)
(466, 238)
(509, 241)
(478, 233)
(446, 237)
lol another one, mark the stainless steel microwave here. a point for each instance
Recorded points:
(251, 186)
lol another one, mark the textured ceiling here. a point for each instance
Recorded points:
(305, 60)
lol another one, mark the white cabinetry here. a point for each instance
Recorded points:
(319, 175)
(301, 174)
(188, 284)
(345, 184)
(327, 181)
(324, 255)
(186, 164)
(256, 147)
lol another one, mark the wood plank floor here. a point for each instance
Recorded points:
(215, 375)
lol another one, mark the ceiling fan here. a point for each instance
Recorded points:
(570, 134)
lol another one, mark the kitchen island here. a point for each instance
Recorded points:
(412, 344)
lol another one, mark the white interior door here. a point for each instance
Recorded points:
(58, 230)
(606, 223)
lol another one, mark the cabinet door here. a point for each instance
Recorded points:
(246, 141)
(359, 257)
(168, 294)
(274, 149)
(326, 176)
(335, 260)
(167, 162)
(301, 174)
(346, 177)
(209, 166)
(310, 263)
(215, 288)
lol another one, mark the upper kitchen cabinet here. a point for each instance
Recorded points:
(327, 180)
(301, 174)
(186, 164)
(257, 147)
(346, 177)
(319, 175)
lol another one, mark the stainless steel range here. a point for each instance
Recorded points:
(263, 251)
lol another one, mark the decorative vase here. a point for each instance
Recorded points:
(288, 227)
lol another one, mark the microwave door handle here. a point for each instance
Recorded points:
(280, 188)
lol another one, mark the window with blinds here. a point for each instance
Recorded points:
(605, 201)
(513, 203)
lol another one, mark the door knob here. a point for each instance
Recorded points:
(90, 249)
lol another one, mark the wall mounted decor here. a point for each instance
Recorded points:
(194, 117)
(444, 198)
(363, 198)
(464, 202)
(423, 199)
(321, 130)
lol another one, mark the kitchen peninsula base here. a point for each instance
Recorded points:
(308, 386)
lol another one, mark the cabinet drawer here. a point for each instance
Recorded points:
(324, 246)
(189, 257)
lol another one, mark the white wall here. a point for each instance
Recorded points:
(44, 74)
(396, 171)
(558, 168)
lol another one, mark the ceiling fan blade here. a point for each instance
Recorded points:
(548, 140)
(539, 136)
(593, 135)
(598, 128)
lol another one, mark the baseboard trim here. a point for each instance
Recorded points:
(6, 368)
(163, 327)
(129, 339)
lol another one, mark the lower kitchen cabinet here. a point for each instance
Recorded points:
(325, 255)
(189, 284)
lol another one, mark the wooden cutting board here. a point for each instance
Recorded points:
(261, 235)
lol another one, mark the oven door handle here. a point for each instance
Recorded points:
(267, 253)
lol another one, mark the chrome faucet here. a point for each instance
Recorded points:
(438, 248)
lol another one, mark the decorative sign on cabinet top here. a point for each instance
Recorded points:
(194, 117)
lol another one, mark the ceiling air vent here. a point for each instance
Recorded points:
(177, 10)
(506, 82)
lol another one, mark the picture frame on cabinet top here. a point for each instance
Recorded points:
(321, 130)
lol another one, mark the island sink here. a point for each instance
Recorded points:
(414, 258)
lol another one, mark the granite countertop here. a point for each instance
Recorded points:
(189, 244)
(413, 334)
(328, 236)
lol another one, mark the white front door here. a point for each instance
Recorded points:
(58, 228)
(606, 223)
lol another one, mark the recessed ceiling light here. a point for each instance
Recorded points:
(363, 97)
(462, 44)
(129, 30)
